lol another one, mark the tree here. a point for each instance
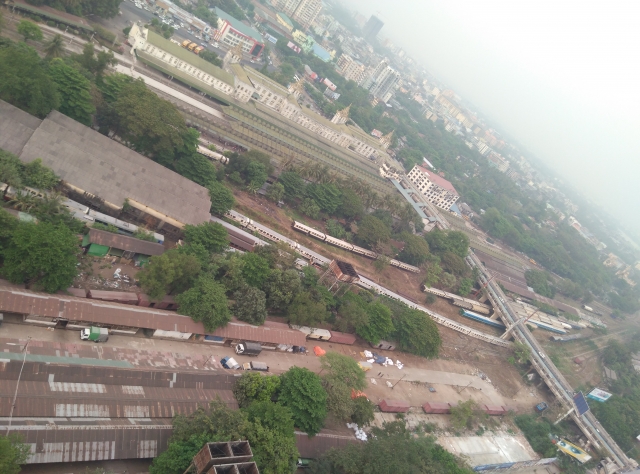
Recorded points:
(211, 235)
(41, 255)
(255, 270)
(8, 224)
(539, 281)
(415, 251)
(447, 281)
(453, 263)
(211, 57)
(293, 184)
(326, 196)
(466, 285)
(221, 198)
(254, 387)
(13, 453)
(271, 435)
(305, 311)
(205, 302)
(74, 89)
(10, 174)
(343, 374)
(310, 208)
(380, 324)
(36, 175)
(281, 287)
(55, 47)
(152, 126)
(24, 81)
(251, 305)
(351, 205)
(301, 391)
(372, 231)
(432, 274)
(197, 168)
(416, 333)
(466, 415)
(170, 273)
(256, 174)
(381, 263)
(351, 313)
(29, 30)
(275, 192)
(362, 411)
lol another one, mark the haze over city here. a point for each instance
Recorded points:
(559, 77)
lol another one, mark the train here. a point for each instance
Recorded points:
(83, 213)
(349, 246)
(445, 408)
(325, 335)
(483, 319)
(459, 301)
(212, 155)
(125, 297)
(313, 257)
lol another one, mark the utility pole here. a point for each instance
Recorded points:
(398, 381)
(15, 395)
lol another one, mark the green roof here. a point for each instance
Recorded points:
(189, 57)
(238, 25)
(286, 19)
(240, 73)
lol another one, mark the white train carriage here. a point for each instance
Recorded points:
(435, 291)
(212, 155)
(308, 230)
(404, 266)
(365, 252)
(339, 243)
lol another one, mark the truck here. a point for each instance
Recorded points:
(588, 308)
(197, 49)
(192, 46)
(258, 366)
(229, 363)
(248, 348)
(186, 43)
(95, 334)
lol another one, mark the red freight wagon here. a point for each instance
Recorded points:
(493, 409)
(394, 406)
(342, 338)
(507, 409)
(436, 407)
(78, 292)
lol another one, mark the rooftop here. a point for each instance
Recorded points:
(437, 179)
(256, 76)
(240, 73)
(286, 19)
(103, 167)
(239, 26)
(189, 57)
(16, 127)
(321, 52)
(124, 242)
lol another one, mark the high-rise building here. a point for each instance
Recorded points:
(434, 187)
(372, 28)
(351, 69)
(382, 81)
(306, 12)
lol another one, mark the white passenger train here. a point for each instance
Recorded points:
(82, 212)
(349, 246)
(212, 155)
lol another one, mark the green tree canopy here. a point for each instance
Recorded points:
(302, 392)
(304, 310)
(281, 287)
(13, 453)
(351, 205)
(255, 270)
(275, 192)
(75, 91)
(197, 168)
(205, 302)
(416, 332)
(372, 231)
(36, 175)
(55, 47)
(41, 255)
(29, 30)
(342, 374)
(170, 273)
(379, 325)
(540, 283)
(251, 305)
(221, 198)
(415, 251)
(254, 387)
(212, 235)
(293, 184)
(24, 81)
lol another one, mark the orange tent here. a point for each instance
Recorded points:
(357, 393)
(319, 351)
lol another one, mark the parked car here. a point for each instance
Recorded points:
(257, 366)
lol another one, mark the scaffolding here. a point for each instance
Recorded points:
(339, 277)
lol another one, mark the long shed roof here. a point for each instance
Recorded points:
(103, 167)
(124, 242)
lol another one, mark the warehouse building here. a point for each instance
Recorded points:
(103, 174)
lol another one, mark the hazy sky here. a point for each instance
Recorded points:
(561, 77)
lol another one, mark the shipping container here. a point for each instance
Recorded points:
(436, 407)
(394, 406)
(342, 338)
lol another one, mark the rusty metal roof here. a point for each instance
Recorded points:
(124, 242)
(322, 442)
(114, 314)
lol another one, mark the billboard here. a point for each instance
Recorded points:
(573, 450)
(599, 395)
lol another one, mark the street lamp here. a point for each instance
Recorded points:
(15, 395)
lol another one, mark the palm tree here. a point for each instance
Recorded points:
(55, 47)
(50, 205)
(23, 201)
(9, 175)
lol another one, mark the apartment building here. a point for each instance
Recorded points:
(232, 31)
(304, 12)
(434, 187)
(351, 69)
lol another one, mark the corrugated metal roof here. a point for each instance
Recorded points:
(124, 242)
(16, 128)
(314, 447)
(115, 314)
